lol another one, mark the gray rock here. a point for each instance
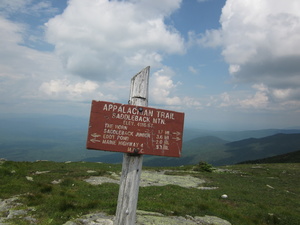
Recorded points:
(7, 211)
(97, 219)
(211, 220)
(7, 204)
(16, 213)
(152, 178)
(149, 218)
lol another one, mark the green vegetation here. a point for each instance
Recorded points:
(69, 198)
(292, 157)
(257, 194)
(204, 167)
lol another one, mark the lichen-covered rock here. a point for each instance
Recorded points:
(152, 178)
(95, 219)
(149, 218)
(211, 220)
(8, 211)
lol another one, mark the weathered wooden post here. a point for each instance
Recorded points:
(136, 130)
(132, 162)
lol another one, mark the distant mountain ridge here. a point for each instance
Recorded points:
(190, 134)
(62, 138)
(292, 157)
(220, 152)
(257, 148)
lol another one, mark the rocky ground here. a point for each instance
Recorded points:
(148, 178)
(152, 178)
(151, 218)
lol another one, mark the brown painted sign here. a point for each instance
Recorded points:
(135, 129)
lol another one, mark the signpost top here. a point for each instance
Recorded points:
(135, 129)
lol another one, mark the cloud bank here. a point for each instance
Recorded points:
(103, 42)
(260, 41)
(99, 39)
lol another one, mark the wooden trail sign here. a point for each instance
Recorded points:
(135, 129)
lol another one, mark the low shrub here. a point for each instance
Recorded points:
(203, 167)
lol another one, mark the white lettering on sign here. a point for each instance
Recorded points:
(158, 121)
(130, 144)
(128, 123)
(118, 132)
(131, 117)
(165, 115)
(145, 135)
(120, 127)
(123, 138)
(107, 125)
(145, 125)
(133, 114)
(109, 142)
(108, 136)
(125, 128)
(129, 110)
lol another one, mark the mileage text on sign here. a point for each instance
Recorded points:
(135, 129)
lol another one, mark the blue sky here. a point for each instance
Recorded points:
(228, 64)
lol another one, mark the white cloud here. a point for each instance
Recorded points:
(10, 34)
(259, 100)
(163, 91)
(29, 7)
(156, 8)
(282, 93)
(234, 69)
(9, 6)
(142, 57)
(211, 38)
(69, 90)
(97, 39)
(20, 65)
(254, 30)
(225, 100)
(191, 102)
(162, 88)
(29, 78)
(260, 41)
(193, 70)
(73, 90)
(260, 87)
(32, 15)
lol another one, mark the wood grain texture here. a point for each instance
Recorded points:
(132, 164)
